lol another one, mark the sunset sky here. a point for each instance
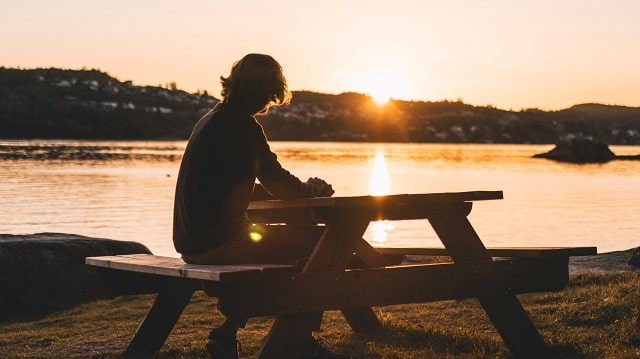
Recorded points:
(513, 54)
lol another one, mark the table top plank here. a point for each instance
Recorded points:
(392, 207)
(376, 201)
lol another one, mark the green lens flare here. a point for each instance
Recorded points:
(255, 236)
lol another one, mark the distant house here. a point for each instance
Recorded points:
(109, 104)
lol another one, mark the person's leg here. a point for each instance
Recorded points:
(266, 244)
(293, 245)
(222, 342)
(280, 244)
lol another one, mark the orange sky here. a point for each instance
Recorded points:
(510, 54)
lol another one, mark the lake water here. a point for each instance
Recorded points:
(124, 190)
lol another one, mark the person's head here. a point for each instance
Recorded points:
(255, 83)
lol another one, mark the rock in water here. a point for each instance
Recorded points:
(579, 150)
(44, 272)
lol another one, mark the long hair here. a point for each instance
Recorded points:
(255, 83)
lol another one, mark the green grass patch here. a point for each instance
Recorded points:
(594, 317)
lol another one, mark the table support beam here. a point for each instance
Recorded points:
(333, 252)
(515, 327)
(504, 311)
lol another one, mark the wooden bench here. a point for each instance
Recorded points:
(396, 255)
(177, 268)
(517, 252)
(344, 272)
(175, 282)
(251, 290)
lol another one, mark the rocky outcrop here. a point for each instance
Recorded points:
(582, 150)
(45, 272)
(579, 150)
(617, 261)
(634, 259)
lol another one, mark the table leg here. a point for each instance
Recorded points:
(515, 327)
(333, 252)
(504, 311)
(163, 315)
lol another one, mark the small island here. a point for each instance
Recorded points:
(583, 150)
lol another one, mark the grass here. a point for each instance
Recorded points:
(594, 317)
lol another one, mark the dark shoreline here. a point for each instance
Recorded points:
(617, 261)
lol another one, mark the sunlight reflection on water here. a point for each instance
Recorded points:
(379, 185)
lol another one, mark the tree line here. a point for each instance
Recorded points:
(91, 104)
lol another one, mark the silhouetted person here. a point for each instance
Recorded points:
(226, 153)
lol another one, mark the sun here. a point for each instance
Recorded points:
(381, 85)
(380, 96)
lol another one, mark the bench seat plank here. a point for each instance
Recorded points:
(525, 252)
(176, 267)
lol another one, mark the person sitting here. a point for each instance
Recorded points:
(225, 155)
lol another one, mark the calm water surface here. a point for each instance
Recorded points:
(124, 190)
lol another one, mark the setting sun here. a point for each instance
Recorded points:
(380, 97)
(381, 85)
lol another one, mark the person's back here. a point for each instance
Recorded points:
(215, 180)
(226, 153)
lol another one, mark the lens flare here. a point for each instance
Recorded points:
(255, 236)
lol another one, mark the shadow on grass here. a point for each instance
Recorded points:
(182, 353)
(439, 343)
(436, 342)
(566, 351)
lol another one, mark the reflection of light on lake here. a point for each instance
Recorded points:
(379, 182)
(380, 185)
(379, 230)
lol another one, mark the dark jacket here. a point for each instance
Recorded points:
(225, 154)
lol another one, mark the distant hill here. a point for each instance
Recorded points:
(90, 104)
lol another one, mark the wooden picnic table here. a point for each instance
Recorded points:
(330, 281)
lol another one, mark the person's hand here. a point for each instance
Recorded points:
(321, 187)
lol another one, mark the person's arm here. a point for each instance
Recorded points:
(281, 183)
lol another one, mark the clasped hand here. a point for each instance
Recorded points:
(321, 187)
